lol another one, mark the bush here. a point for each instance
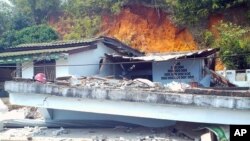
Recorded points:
(33, 34)
(234, 46)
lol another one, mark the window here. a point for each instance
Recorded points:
(46, 67)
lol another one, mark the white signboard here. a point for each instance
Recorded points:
(183, 71)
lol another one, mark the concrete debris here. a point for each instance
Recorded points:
(29, 138)
(80, 134)
(38, 131)
(145, 81)
(74, 81)
(177, 86)
(101, 82)
(32, 113)
(60, 131)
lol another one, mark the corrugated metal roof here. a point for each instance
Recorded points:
(18, 53)
(58, 43)
(165, 57)
(108, 41)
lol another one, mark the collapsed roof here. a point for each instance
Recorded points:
(162, 56)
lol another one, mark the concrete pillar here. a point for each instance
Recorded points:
(248, 74)
(230, 75)
(47, 113)
(18, 70)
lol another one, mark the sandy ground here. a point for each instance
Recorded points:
(118, 133)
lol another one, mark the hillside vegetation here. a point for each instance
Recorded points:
(147, 25)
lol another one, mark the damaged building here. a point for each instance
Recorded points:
(183, 67)
(112, 83)
(106, 56)
(56, 59)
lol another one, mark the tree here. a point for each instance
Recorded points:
(38, 10)
(20, 21)
(5, 14)
(234, 46)
(80, 8)
(192, 11)
(7, 39)
(33, 34)
(85, 16)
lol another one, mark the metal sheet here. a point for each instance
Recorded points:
(165, 57)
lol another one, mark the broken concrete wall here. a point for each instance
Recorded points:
(88, 62)
(130, 94)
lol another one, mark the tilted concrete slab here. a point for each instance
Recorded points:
(130, 95)
(148, 104)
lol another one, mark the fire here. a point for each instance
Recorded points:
(149, 30)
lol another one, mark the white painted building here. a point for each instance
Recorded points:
(183, 67)
(56, 59)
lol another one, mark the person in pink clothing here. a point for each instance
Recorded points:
(40, 77)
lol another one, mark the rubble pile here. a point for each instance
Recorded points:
(93, 134)
(102, 82)
(32, 113)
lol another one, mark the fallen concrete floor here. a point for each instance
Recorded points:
(182, 131)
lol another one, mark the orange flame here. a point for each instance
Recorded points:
(149, 30)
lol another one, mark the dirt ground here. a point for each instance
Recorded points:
(102, 134)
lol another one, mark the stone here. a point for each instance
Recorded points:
(60, 131)
(145, 81)
(29, 138)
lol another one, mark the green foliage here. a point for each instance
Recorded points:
(20, 21)
(3, 23)
(80, 8)
(248, 14)
(85, 27)
(33, 34)
(5, 11)
(38, 10)
(192, 11)
(234, 46)
(7, 39)
(85, 16)
(208, 38)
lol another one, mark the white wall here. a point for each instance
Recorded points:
(62, 70)
(231, 76)
(87, 57)
(27, 70)
(92, 56)
(185, 72)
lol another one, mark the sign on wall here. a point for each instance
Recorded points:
(177, 70)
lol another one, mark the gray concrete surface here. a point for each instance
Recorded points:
(130, 95)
